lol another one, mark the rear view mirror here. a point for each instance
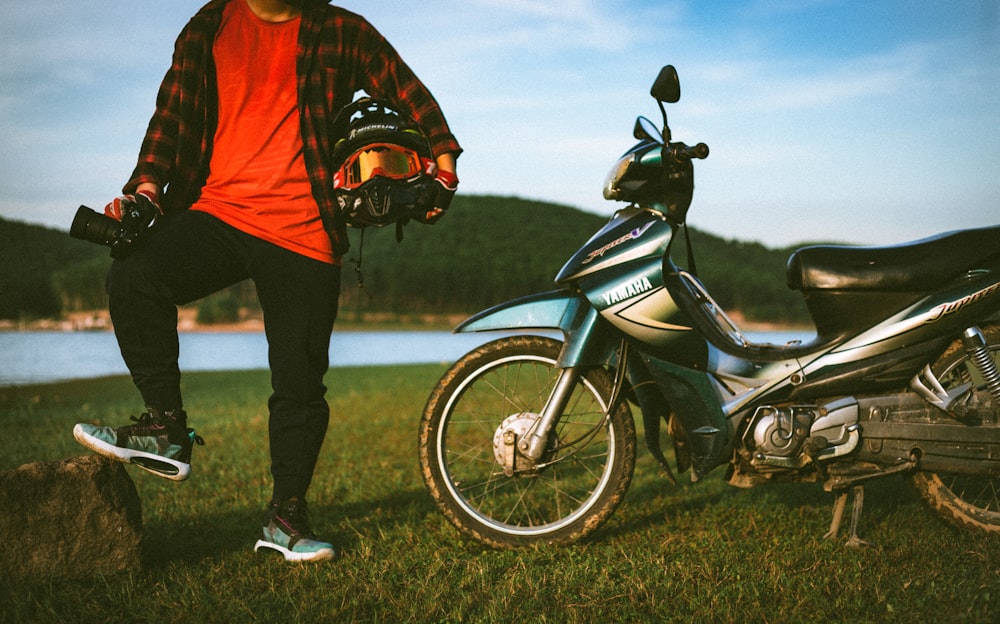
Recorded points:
(667, 87)
(645, 131)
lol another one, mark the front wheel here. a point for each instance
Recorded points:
(491, 398)
(968, 501)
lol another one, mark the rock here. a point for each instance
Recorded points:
(68, 519)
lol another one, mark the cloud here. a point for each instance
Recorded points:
(568, 24)
(815, 110)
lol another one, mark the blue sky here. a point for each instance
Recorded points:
(860, 121)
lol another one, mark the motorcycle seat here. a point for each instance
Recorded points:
(909, 267)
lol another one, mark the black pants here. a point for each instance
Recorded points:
(194, 255)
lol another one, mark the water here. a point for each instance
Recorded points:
(42, 357)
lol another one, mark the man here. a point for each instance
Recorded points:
(236, 159)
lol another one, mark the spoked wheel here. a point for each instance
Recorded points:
(483, 406)
(969, 501)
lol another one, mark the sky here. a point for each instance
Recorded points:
(867, 122)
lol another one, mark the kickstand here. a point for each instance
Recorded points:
(838, 513)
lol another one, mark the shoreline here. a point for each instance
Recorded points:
(99, 321)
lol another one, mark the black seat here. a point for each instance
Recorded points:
(909, 267)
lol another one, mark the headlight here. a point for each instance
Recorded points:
(613, 184)
(639, 165)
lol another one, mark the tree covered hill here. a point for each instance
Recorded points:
(487, 249)
(44, 272)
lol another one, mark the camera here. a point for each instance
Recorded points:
(121, 236)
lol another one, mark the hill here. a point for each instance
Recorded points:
(44, 272)
(487, 250)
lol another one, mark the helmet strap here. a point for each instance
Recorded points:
(357, 263)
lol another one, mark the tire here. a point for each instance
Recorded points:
(967, 501)
(500, 387)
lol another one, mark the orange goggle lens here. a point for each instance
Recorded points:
(384, 159)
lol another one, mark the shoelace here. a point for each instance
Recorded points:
(295, 516)
(149, 422)
(146, 421)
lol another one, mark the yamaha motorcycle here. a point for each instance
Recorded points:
(528, 439)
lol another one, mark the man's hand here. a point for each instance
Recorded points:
(436, 196)
(138, 207)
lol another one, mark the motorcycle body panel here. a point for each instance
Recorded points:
(620, 271)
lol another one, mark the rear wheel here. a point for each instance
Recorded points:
(493, 397)
(969, 501)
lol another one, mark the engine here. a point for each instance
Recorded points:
(781, 431)
(790, 436)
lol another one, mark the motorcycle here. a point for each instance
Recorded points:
(530, 440)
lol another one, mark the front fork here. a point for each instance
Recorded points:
(589, 342)
(534, 443)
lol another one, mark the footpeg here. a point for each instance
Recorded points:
(926, 384)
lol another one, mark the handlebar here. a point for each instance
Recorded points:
(681, 153)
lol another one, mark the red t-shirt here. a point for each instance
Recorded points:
(258, 181)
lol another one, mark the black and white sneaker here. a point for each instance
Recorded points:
(159, 442)
(286, 530)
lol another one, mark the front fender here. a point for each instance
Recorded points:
(589, 341)
(554, 309)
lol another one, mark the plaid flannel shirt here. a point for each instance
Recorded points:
(338, 54)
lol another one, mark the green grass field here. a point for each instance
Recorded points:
(692, 553)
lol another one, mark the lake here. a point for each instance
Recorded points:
(41, 357)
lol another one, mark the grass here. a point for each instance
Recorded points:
(692, 553)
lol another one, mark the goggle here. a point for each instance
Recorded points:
(378, 159)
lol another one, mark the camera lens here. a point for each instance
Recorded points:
(94, 227)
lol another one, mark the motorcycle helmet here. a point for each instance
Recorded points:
(380, 163)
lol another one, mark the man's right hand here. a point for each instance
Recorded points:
(124, 207)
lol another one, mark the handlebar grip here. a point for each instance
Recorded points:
(699, 151)
(681, 153)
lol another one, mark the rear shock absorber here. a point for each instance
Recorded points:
(975, 346)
